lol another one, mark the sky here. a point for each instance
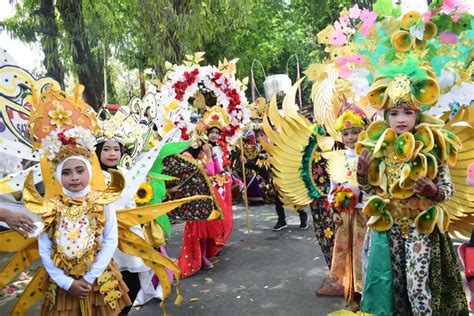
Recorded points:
(27, 56)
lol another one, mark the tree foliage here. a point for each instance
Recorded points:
(78, 35)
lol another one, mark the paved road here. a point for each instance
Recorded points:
(261, 273)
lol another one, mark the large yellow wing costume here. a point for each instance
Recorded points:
(27, 249)
(461, 205)
(293, 142)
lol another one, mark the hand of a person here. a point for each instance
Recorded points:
(363, 162)
(80, 289)
(207, 148)
(20, 223)
(174, 189)
(337, 219)
(425, 187)
(243, 160)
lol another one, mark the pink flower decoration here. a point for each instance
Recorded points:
(344, 61)
(454, 6)
(455, 18)
(344, 20)
(368, 16)
(368, 20)
(448, 37)
(338, 38)
(428, 16)
(354, 12)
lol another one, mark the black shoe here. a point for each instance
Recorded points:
(304, 221)
(280, 226)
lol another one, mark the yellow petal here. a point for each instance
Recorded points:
(424, 135)
(404, 146)
(387, 139)
(402, 41)
(409, 18)
(430, 31)
(426, 220)
(398, 192)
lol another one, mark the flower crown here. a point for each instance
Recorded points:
(349, 119)
(61, 125)
(216, 117)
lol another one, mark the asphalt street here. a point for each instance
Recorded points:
(259, 273)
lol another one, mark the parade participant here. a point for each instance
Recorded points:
(202, 239)
(80, 232)
(215, 120)
(347, 202)
(109, 153)
(403, 167)
(77, 257)
(114, 133)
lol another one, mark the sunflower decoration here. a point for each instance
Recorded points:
(144, 194)
(344, 199)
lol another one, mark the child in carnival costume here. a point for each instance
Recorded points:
(216, 121)
(80, 234)
(403, 168)
(347, 203)
(116, 133)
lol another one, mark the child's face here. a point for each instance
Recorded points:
(110, 154)
(214, 135)
(402, 119)
(260, 135)
(349, 136)
(74, 175)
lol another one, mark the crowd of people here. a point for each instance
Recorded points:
(376, 177)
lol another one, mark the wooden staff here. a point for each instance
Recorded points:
(246, 201)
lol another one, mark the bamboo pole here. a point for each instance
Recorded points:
(246, 201)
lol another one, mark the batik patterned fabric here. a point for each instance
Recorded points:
(321, 211)
(192, 181)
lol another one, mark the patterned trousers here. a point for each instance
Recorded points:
(411, 271)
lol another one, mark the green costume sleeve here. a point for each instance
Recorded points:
(157, 180)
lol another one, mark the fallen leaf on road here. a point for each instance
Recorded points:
(208, 280)
(194, 285)
(194, 299)
(243, 287)
(205, 291)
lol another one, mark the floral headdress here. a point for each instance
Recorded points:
(60, 125)
(216, 117)
(407, 85)
(350, 116)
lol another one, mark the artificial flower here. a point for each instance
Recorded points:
(344, 199)
(325, 35)
(354, 12)
(228, 67)
(448, 37)
(316, 72)
(59, 116)
(328, 233)
(144, 193)
(338, 37)
(194, 60)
